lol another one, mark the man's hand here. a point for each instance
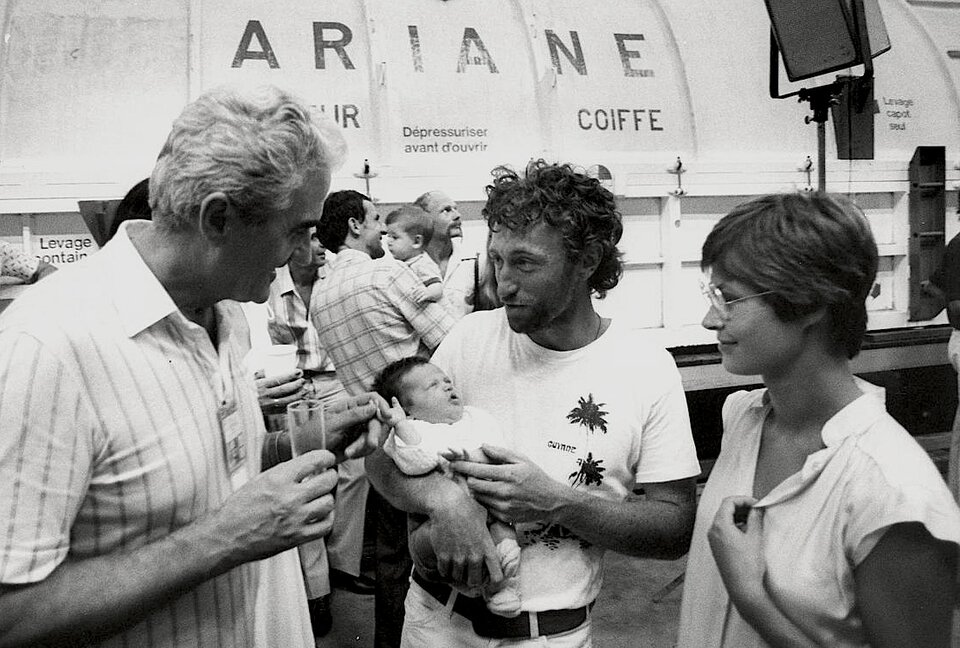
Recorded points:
(353, 426)
(512, 487)
(281, 508)
(464, 552)
(276, 392)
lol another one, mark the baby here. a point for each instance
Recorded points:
(409, 230)
(437, 428)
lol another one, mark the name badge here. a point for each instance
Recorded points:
(234, 445)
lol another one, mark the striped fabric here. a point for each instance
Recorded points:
(425, 268)
(289, 322)
(367, 317)
(14, 263)
(109, 435)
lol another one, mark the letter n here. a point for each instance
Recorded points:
(254, 28)
(556, 46)
(320, 44)
(470, 36)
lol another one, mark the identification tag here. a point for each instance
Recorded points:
(234, 445)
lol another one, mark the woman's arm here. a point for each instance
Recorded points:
(736, 544)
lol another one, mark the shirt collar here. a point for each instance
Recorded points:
(349, 255)
(138, 296)
(284, 280)
(856, 417)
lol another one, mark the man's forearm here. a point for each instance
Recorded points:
(421, 494)
(640, 526)
(97, 597)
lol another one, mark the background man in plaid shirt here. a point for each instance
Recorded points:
(368, 317)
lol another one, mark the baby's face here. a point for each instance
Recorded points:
(429, 395)
(400, 244)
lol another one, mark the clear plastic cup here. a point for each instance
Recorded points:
(306, 425)
(279, 359)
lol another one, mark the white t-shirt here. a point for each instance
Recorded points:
(818, 524)
(604, 418)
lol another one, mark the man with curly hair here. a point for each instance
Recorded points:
(589, 410)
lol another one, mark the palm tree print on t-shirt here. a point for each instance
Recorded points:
(589, 415)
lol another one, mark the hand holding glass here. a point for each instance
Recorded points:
(306, 425)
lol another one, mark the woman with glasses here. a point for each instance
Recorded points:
(823, 523)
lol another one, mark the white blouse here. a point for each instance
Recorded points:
(818, 524)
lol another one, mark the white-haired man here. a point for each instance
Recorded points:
(134, 505)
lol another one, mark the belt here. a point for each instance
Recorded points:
(527, 625)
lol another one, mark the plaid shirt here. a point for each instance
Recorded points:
(367, 317)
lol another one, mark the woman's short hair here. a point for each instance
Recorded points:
(256, 146)
(583, 210)
(811, 250)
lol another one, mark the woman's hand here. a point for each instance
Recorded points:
(736, 540)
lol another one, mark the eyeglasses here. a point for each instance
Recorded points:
(715, 298)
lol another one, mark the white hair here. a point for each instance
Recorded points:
(257, 147)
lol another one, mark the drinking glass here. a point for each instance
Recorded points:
(305, 423)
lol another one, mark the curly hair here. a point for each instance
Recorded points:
(811, 250)
(578, 206)
(256, 146)
(338, 209)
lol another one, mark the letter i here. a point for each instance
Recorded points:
(415, 48)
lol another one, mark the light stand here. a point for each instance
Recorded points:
(821, 98)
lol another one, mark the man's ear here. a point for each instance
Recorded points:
(590, 258)
(216, 215)
(354, 226)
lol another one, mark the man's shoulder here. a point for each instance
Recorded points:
(488, 322)
(58, 312)
(348, 274)
(477, 330)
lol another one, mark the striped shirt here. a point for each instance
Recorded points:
(367, 317)
(425, 268)
(14, 263)
(110, 436)
(289, 322)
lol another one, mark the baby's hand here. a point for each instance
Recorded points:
(455, 454)
(419, 295)
(391, 415)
